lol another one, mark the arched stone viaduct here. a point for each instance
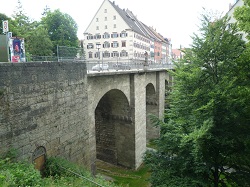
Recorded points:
(79, 116)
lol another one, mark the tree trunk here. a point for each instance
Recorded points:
(216, 177)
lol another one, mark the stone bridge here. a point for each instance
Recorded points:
(57, 109)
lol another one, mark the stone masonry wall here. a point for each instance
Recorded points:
(45, 104)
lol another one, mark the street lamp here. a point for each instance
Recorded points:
(98, 46)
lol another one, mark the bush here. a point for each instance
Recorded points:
(18, 174)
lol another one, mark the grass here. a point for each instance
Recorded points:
(124, 177)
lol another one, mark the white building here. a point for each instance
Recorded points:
(120, 35)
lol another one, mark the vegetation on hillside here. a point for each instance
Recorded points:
(58, 173)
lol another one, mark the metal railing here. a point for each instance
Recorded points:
(94, 67)
(105, 65)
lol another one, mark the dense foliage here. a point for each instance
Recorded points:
(62, 29)
(242, 15)
(205, 135)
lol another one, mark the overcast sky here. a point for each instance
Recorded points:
(175, 19)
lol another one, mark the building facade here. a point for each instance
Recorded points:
(115, 34)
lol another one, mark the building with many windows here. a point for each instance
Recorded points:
(115, 34)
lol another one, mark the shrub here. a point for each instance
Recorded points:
(18, 174)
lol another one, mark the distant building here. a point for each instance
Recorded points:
(177, 54)
(122, 37)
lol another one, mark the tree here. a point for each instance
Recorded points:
(37, 41)
(205, 135)
(62, 29)
(40, 43)
(242, 16)
(22, 25)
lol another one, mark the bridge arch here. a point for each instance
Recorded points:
(114, 129)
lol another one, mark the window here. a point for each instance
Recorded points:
(115, 44)
(105, 11)
(123, 35)
(123, 43)
(98, 36)
(90, 46)
(106, 54)
(97, 27)
(106, 27)
(106, 35)
(97, 19)
(90, 37)
(97, 55)
(106, 45)
(114, 35)
(106, 19)
(124, 53)
(114, 17)
(115, 54)
(90, 55)
(114, 25)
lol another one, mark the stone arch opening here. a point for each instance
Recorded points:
(115, 138)
(39, 158)
(152, 108)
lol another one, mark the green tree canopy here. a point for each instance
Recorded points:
(242, 15)
(205, 135)
(22, 25)
(40, 43)
(62, 29)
